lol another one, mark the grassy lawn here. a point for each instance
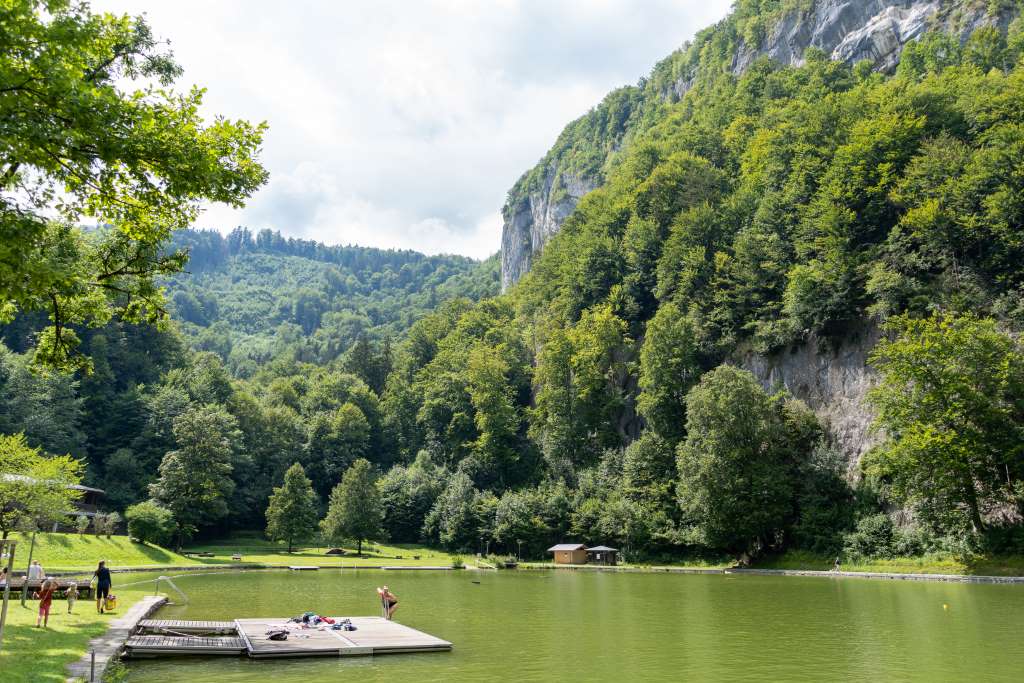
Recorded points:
(928, 564)
(257, 549)
(32, 654)
(70, 552)
(73, 553)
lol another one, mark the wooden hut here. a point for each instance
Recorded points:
(569, 553)
(602, 554)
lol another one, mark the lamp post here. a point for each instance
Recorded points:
(519, 550)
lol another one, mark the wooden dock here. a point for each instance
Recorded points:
(161, 626)
(372, 636)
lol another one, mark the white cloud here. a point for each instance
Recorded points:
(403, 124)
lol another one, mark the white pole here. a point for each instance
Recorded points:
(24, 587)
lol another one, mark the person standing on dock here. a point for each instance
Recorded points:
(103, 584)
(390, 601)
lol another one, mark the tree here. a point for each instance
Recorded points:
(99, 524)
(951, 402)
(292, 513)
(649, 471)
(34, 487)
(113, 519)
(335, 441)
(354, 511)
(579, 377)
(407, 495)
(454, 519)
(81, 524)
(517, 520)
(496, 415)
(735, 487)
(149, 522)
(668, 369)
(78, 146)
(195, 479)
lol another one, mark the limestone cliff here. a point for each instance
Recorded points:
(833, 380)
(848, 30)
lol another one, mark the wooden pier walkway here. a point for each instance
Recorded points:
(372, 636)
(159, 626)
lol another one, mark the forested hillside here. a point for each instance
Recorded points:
(598, 399)
(249, 298)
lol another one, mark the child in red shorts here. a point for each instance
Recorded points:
(45, 596)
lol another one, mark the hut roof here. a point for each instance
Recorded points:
(566, 546)
(601, 549)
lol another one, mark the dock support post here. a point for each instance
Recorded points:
(92, 666)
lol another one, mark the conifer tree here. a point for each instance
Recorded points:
(292, 513)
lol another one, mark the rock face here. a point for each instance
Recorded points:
(533, 218)
(847, 30)
(832, 381)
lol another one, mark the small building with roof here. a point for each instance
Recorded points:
(569, 553)
(602, 554)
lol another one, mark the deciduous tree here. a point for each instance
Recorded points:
(79, 144)
(34, 487)
(355, 511)
(195, 479)
(951, 401)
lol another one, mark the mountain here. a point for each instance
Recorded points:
(249, 297)
(780, 30)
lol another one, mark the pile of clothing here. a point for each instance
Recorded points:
(311, 619)
(344, 625)
(314, 620)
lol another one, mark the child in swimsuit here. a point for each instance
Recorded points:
(71, 595)
(45, 596)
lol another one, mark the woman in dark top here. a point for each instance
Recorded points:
(102, 575)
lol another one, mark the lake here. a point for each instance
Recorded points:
(544, 625)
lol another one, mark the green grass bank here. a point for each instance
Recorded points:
(31, 654)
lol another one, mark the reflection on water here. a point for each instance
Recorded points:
(535, 626)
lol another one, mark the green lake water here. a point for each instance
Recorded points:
(538, 626)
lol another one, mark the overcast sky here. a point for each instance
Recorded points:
(404, 124)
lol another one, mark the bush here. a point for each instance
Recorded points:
(824, 504)
(874, 536)
(457, 562)
(149, 522)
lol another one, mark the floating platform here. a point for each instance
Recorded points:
(372, 636)
(303, 568)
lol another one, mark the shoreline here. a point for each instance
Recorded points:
(107, 646)
(815, 573)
